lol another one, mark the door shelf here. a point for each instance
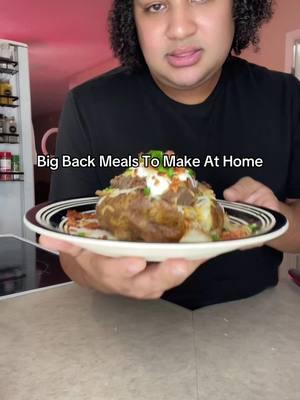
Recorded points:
(8, 66)
(11, 176)
(8, 61)
(6, 70)
(9, 138)
(9, 101)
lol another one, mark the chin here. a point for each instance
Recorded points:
(186, 81)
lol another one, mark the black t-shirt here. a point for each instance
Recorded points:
(252, 113)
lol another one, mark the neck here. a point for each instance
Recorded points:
(190, 96)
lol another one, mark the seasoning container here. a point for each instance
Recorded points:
(11, 126)
(2, 124)
(10, 130)
(12, 139)
(15, 166)
(5, 166)
(1, 91)
(5, 51)
(6, 90)
(2, 99)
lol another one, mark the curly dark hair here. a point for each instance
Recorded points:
(249, 16)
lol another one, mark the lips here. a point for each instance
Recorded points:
(184, 57)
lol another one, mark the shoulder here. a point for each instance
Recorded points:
(115, 84)
(263, 77)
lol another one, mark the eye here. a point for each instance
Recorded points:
(155, 8)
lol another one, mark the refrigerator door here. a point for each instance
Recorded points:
(296, 61)
(17, 193)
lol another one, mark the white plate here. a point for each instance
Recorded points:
(49, 219)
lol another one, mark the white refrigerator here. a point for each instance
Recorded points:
(16, 188)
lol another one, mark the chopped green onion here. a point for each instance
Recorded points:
(128, 172)
(253, 227)
(156, 154)
(162, 169)
(215, 237)
(170, 172)
(191, 172)
(147, 191)
(108, 190)
(82, 234)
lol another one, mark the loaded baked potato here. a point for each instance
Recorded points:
(160, 205)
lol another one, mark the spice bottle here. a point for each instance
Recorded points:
(2, 124)
(7, 91)
(5, 166)
(15, 166)
(11, 125)
(2, 99)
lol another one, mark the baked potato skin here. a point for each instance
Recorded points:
(208, 217)
(217, 215)
(136, 217)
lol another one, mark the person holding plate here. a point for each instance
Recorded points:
(181, 87)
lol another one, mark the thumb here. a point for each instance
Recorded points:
(232, 194)
(242, 189)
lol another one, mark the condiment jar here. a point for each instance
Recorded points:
(15, 166)
(2, 124)
(5, 166)
(11, 125)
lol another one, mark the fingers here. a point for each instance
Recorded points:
(130, 276)
(254, 197)
(98, 272)
(59, 245)
(157, 278)
(264, 197)
(133, 277)
(90, 269)
(242, 189)
(110, 274)
(73, 270)
(253, 192)
(126, 265)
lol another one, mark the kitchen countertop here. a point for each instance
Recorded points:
(73, 343)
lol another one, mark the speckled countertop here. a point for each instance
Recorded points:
(72, 343)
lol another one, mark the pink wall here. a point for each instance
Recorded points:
(93, 72)
(274, 36)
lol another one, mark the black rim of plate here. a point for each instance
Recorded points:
(235, 210)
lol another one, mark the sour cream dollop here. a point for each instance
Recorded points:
(157, 184)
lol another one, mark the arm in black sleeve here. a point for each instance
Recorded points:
(293, 189)
(73, 140)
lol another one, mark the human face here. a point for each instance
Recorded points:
(184, 42)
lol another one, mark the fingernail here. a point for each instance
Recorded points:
(229, 191)
(178, 270)
(135, 268)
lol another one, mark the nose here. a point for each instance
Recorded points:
(181, 24)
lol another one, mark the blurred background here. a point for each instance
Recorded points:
(68, 44)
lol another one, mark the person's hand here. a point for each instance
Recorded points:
(250, 191)
(129, 276)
